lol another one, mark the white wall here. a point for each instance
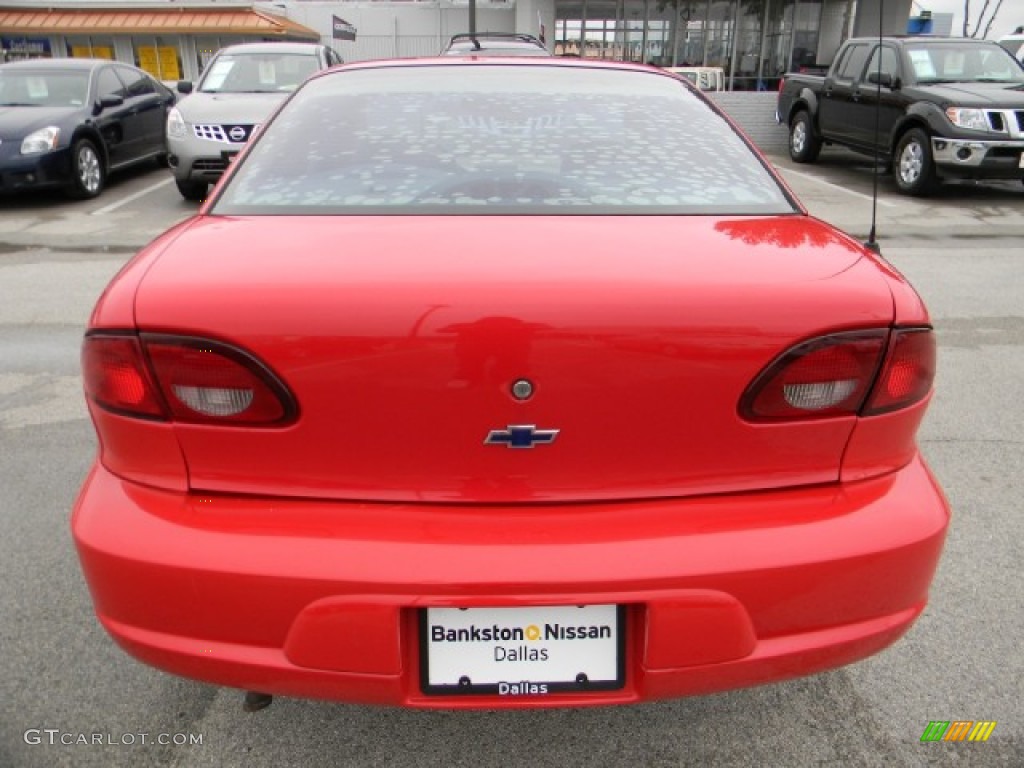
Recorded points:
(531, 14)
(835, 20)
(894, 21)
(403, 29)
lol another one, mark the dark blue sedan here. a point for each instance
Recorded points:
(68, 123)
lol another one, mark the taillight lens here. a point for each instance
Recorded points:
(908, 372)
(117, 378)
(828, 376)
(866, 373)
(184, 379)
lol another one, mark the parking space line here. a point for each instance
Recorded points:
(810, 177)
(132, 198)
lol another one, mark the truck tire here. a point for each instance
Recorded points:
(804, 146)
(913, 165)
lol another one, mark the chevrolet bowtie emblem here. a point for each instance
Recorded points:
(521, 436)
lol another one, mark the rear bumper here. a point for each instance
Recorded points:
(321, 599)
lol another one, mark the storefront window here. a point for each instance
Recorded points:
(752, 41)
(159, 56)
(91, 47)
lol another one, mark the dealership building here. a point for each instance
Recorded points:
(753, 41)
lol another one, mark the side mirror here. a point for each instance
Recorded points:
(884, 79)
(184, 86)
(106, 102)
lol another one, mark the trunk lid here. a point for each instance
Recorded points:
(401, 339)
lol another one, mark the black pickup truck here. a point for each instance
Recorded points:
(931, 107)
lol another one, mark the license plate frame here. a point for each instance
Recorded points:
(471, 662)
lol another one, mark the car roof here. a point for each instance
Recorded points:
(923, 39)
(470, 60)
(490, 61)
(466, 43)
(281, 47)
(507, 36)
(500, 49)
(82, 65)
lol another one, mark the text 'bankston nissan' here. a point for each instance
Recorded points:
(483, 382)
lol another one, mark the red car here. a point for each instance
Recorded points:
(506, 383)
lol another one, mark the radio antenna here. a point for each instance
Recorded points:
(872, 243)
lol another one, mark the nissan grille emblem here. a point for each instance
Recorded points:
(237, 133)
(521, 436)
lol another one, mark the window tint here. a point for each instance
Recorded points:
(853, 62)
(500, 139)
(108, 84)
(136, 83)
(890, 64)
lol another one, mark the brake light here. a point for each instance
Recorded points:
(116, 377)
(865, 373)
(908, 372)
(184, 379)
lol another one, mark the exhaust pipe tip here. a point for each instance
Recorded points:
(255, 701)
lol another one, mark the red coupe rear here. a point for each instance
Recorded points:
(485, 383)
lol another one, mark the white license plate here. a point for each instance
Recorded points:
(529, 651)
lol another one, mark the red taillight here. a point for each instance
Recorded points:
(183, 379)
(908, 372)
(829, 376)
(116, 377)
(844, 374)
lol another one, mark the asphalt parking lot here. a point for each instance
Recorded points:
(63, 679)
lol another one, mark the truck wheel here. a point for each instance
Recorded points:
(804, 146)
(87, 171)
(192, 190)
(913, 166)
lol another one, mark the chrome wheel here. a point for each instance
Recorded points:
(804, 146)
(798, 139)
(911, 163)
(90, 175)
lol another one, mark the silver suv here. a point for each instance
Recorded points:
(238, 90)
(495, 44)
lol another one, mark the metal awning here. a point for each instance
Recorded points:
(165, 21)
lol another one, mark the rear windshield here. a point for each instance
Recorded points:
(486, 139)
